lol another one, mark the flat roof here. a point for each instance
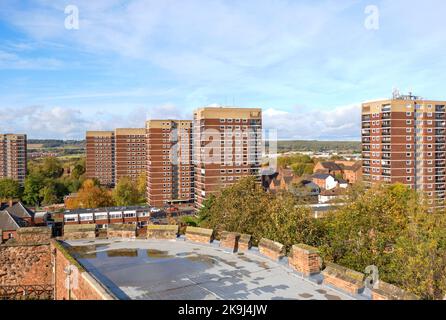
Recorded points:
(180, 270)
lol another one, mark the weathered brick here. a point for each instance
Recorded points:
(79, 231)
(305, 259)
(343, 278)
(126, 231)
(245, 242)
(271, 249)
(229, 240)
(386, 291)
(163, 232)
(201, 235)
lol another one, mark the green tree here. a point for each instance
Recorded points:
(141, 186)
(126, 193)
(51, 167)
(34, 182)
(419, 263)
(10, 189)
(49, 194)
(245, 207)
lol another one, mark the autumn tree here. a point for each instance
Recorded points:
(91, 195)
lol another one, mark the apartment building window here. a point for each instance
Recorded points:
(408, 154)
(408, 121)
(408, 138)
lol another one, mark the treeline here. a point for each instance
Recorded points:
(319, 146)
(46, 182)
(386, 226)
(53, 143)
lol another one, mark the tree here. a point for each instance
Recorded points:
(49, 194)
(90, 195)
(365, 230)
(78, 170)
(246, 208)
(141, 186)
(419, 263)
(126, 192)
(10, 189)
(51, 167)
(34, 182)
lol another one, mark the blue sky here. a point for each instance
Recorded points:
(308, 64)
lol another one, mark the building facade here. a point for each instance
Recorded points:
(112, 155)
(227, 145)
(404, 141)
(130, 153)
(13, 156)
(170, 174)
(100, 161)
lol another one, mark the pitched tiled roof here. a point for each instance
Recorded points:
(331, 166)
(20, 211)
(9, 222)
(321, 176)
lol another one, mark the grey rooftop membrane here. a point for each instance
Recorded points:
(180, 270)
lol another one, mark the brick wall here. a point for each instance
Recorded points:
(271, 249)
(245, 242)
(305, 259)
(25, 265)
(347, 280)
(386, 291)
(199, 235)
(229, 240)
(127, 231)
(81, 285)
(34, 235)
(164, 232)
(81, 231)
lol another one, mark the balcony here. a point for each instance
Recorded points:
(366, 148)
(440, 109)
(386, 149)
(386, 164)
(366, 163)
(386, 124)
(440, 124)
(386, 132)
(440, 140)
(366, 132)
(366, 155)
(366, 118)
(440, 172)
(440, 148)
(441, 163)
(386, 140)
(366, 125)
(386, 115)
(365, 140)
(386, 156)
(440, 180)
(387, 173)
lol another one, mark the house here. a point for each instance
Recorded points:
(324, 181)
(328, 167)
(9, 224)
(342, 183)
(281, 180)
(20, 211)
(327, 196)
(352, 171)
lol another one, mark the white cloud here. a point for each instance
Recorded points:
(340, 123)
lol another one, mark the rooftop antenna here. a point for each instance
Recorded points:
(396, 93)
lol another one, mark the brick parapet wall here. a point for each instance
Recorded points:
(76, 232)
(305, 259)
(162, 232)
(386, 291)
(347, 280)
(245, 242)
(229, 240)
(200, 235)
(271, 249)
(33, 235)
(126, 231)
(72, 281)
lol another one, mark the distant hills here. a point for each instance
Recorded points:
(282, 146)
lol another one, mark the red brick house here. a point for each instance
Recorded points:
(9, 225)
